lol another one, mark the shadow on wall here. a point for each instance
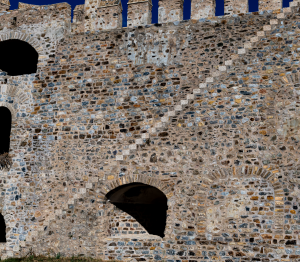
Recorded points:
(2, 230)
(147, 204)
(17, 57)
(5, 129)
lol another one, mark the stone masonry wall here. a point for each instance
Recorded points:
(205, 110)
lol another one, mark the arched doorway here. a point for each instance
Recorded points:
(5, 129)
(17, 57)
(2, 229)
(147, 204)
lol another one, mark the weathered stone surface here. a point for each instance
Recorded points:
(206, 111)
(139, 13)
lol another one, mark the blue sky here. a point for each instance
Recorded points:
(253, 6)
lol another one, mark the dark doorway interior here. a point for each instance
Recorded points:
(147, 204)
(18, 57)
(5, 129)
(2, 229)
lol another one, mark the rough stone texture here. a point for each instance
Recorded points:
(269, 5)
(4, 5)
(139, 13)
(202, 8)
(170, 11)
(102, 15)
(235, 7)
(206, 111)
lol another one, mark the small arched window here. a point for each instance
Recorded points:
(18, 57)
(147, 204)
(2, 229)
(5, 129)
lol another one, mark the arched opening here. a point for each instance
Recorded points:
(2, 229)
(5, 129)
(147, 204)
(18, 57)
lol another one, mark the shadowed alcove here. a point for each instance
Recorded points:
(18, 57)
(5, 129)
(2, 229)
(147, 204)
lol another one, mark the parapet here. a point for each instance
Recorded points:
(139, 13)
(27, 6)
(202, 9)
(28, 14)
(97, 15)
(102, 15)
(4, 5)
(170, 11)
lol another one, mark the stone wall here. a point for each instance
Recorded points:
(204, 110)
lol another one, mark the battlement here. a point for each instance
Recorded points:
(28, 14)
(97, 15)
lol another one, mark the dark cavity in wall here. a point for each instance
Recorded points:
(18, 57)
(2, 229)
(147, 204)
(5, 129)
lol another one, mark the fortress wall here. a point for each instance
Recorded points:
(105, 92)
(184, 105)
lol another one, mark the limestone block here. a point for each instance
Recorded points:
(139, 12)
(170, 11)
(202, 9)
(235, 7)
(264, 5)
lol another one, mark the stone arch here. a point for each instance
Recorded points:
(24, 37)
(166, 188)
(269, 173)
(11, 109)
(151, 181)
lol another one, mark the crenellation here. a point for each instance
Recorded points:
(264, 5)
(139, 13)
(27, 6)
(176, 141)
(170, 11)
(102, 15)
(4, 5)
(203, 9)
(78, 14)
(232, 7)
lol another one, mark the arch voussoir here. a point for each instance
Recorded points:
(110, 185)
(268, 173)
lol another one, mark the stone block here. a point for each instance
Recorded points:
(264, 5)
(202, 8)
(139, 13)
(103, 15)
(232, 7)
(170, 11)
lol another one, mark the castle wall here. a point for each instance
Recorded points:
(206, 111)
